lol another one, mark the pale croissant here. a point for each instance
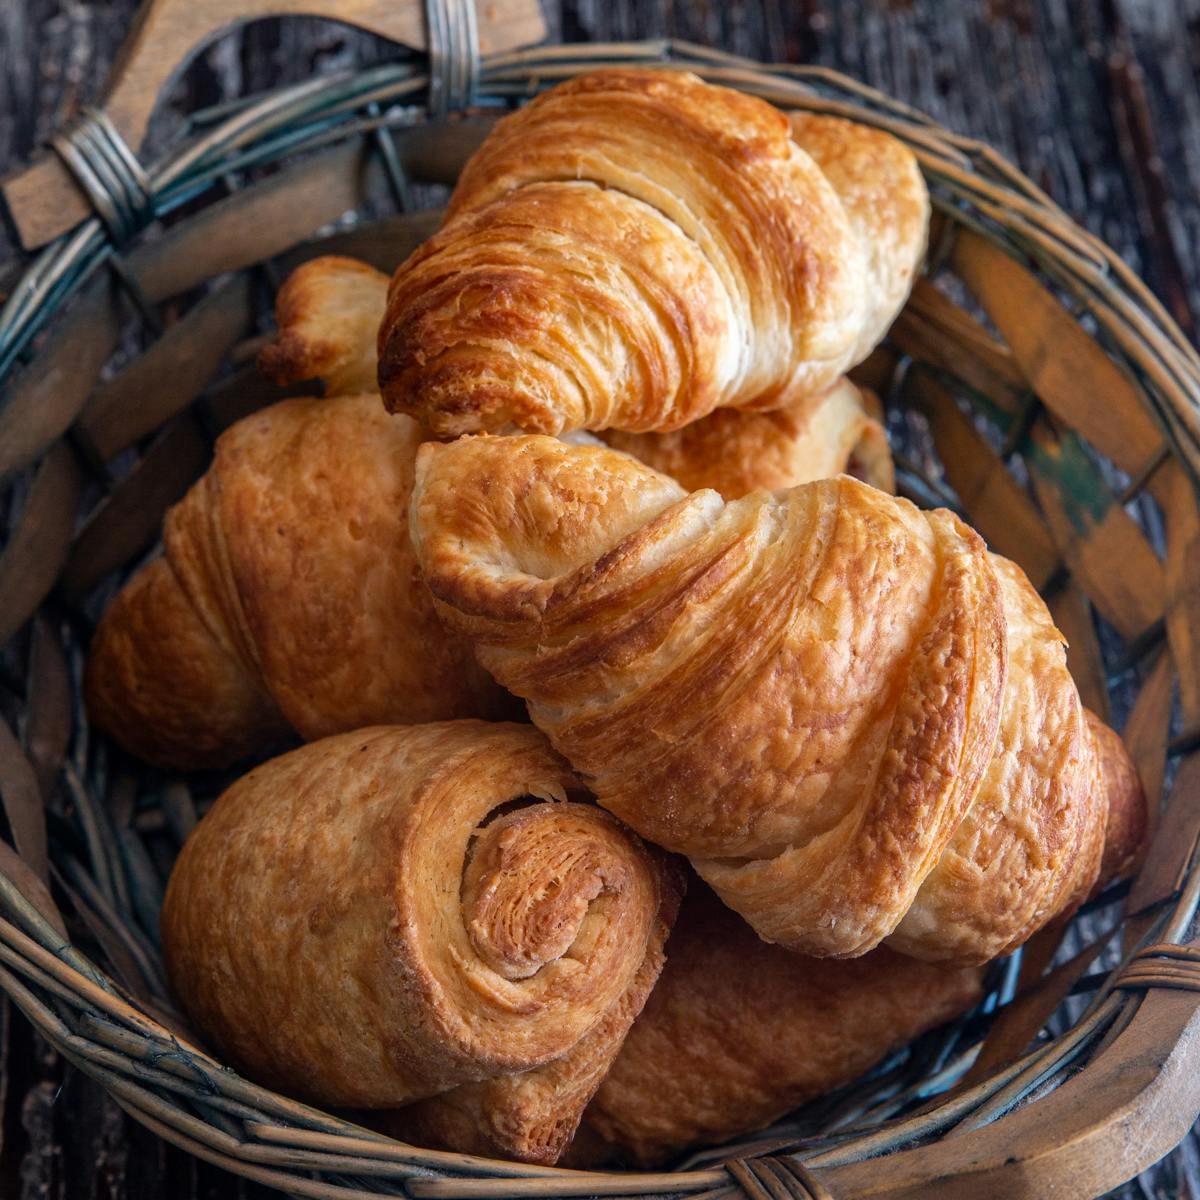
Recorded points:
(738, 1033)
(636, 248)
(287, 599)
(421, 911)
(329, 311)
(856, 723)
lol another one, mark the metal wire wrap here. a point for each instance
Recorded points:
(453, 54)
(108, 172)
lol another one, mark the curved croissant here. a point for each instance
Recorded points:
(737, 1033)
(328, 312)
(855, 722)
(406, 912)
(635, 248)
(287, 598)
(735, 452)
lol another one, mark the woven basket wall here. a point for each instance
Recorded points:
(1032, 383)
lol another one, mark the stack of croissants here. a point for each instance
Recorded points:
(663, 770)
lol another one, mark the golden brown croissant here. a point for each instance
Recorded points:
(408, 911)
(855, 722)
(737, 1033)
(328, 312)
(735, 452)
(635, 248)
(287, 598)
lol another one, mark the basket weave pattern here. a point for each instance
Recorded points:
(1057, 407)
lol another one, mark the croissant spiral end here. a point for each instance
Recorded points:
(487, 940)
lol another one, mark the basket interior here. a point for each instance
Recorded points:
(1009, 398)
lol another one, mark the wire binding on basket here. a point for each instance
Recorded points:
(108, 172)
(776, 1178)
(1181, 970)
(453, 54)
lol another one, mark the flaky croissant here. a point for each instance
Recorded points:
(855, 722)
(287, 598)
(735, 452)
(329, 311)
(421, 911)
(737, 1033)
(635, 248)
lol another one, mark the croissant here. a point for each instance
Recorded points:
(855, 722)
(419, 911)
(328, 312)
(735, 452)
(737, 1033)
(287, 598)
(636, 248)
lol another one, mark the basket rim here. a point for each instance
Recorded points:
(317, 112)
(972, 184)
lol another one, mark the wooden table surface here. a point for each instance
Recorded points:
(1097, 100)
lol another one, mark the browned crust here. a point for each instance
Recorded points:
(288, 597)
(879, 183)
(368, 920)
(161, 684)
(738, 1033)
(635, 248)
(328, 312)
(807, 693)
(1030, 846)
(1128, 827)
(736, 452)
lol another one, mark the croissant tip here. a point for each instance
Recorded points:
(288, 358)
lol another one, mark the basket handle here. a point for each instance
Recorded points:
(1132, 1105)
(48, 197)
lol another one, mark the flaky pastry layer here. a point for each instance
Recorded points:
(635, 248)
(287, 598)
(736, 452)
(421, 911)
(856, 723)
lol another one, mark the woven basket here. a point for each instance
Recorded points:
(1033, 383)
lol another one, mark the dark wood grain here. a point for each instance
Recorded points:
(1098, 100)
